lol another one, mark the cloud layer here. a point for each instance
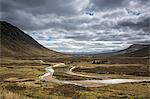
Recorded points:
(81, 25)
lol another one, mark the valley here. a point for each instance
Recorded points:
(29, 70)
(77, 81)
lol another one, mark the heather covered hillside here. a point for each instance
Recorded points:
(15, 43)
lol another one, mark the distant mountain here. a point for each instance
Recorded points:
(133, 48)
(16, 43)
(90, 53)
(136, 50)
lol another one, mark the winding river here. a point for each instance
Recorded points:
(87, 83)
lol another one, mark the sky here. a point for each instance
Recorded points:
(81, 25)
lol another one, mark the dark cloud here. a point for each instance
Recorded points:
(64, 25)
(108, 4)
(141, 24)
(26, 14)
(39, 7)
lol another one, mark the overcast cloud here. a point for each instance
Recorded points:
(81, 25)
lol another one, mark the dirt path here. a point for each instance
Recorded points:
(87, 83)
(77, 74)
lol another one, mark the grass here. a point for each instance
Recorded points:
(129, 90)
(21, 72)
(5, 62)
(89, 64)
(106, 76)
(34, 89)
(125, 91)
(8, 60)
(123, 69)
(48, 90)
(5, 94)
(44, 91)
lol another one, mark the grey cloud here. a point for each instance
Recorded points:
(63, 25)
(40, 7)
(107, 4)
(103, 5)
(142, 24)
(18, 11)
(80, 37)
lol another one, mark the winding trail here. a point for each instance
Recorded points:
(86, 83)
(77, 74)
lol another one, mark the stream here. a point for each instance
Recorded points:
(87, 83)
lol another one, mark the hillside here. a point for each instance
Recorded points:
(16, 43)
(141, 52)
(136, 50)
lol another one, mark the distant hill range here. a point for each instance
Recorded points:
(16, 43)
(135, 50)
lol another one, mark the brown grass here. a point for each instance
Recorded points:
(5, 94)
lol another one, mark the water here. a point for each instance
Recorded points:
(49, 75)
(89, 83)
(97, 83)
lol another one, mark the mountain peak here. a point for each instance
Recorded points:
(5, 23)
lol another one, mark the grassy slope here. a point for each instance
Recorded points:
(15, 43)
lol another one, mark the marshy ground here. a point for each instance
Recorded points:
(20, 79)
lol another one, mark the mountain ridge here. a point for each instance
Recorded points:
(16, 43)
(137, 50)
(134, 50)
